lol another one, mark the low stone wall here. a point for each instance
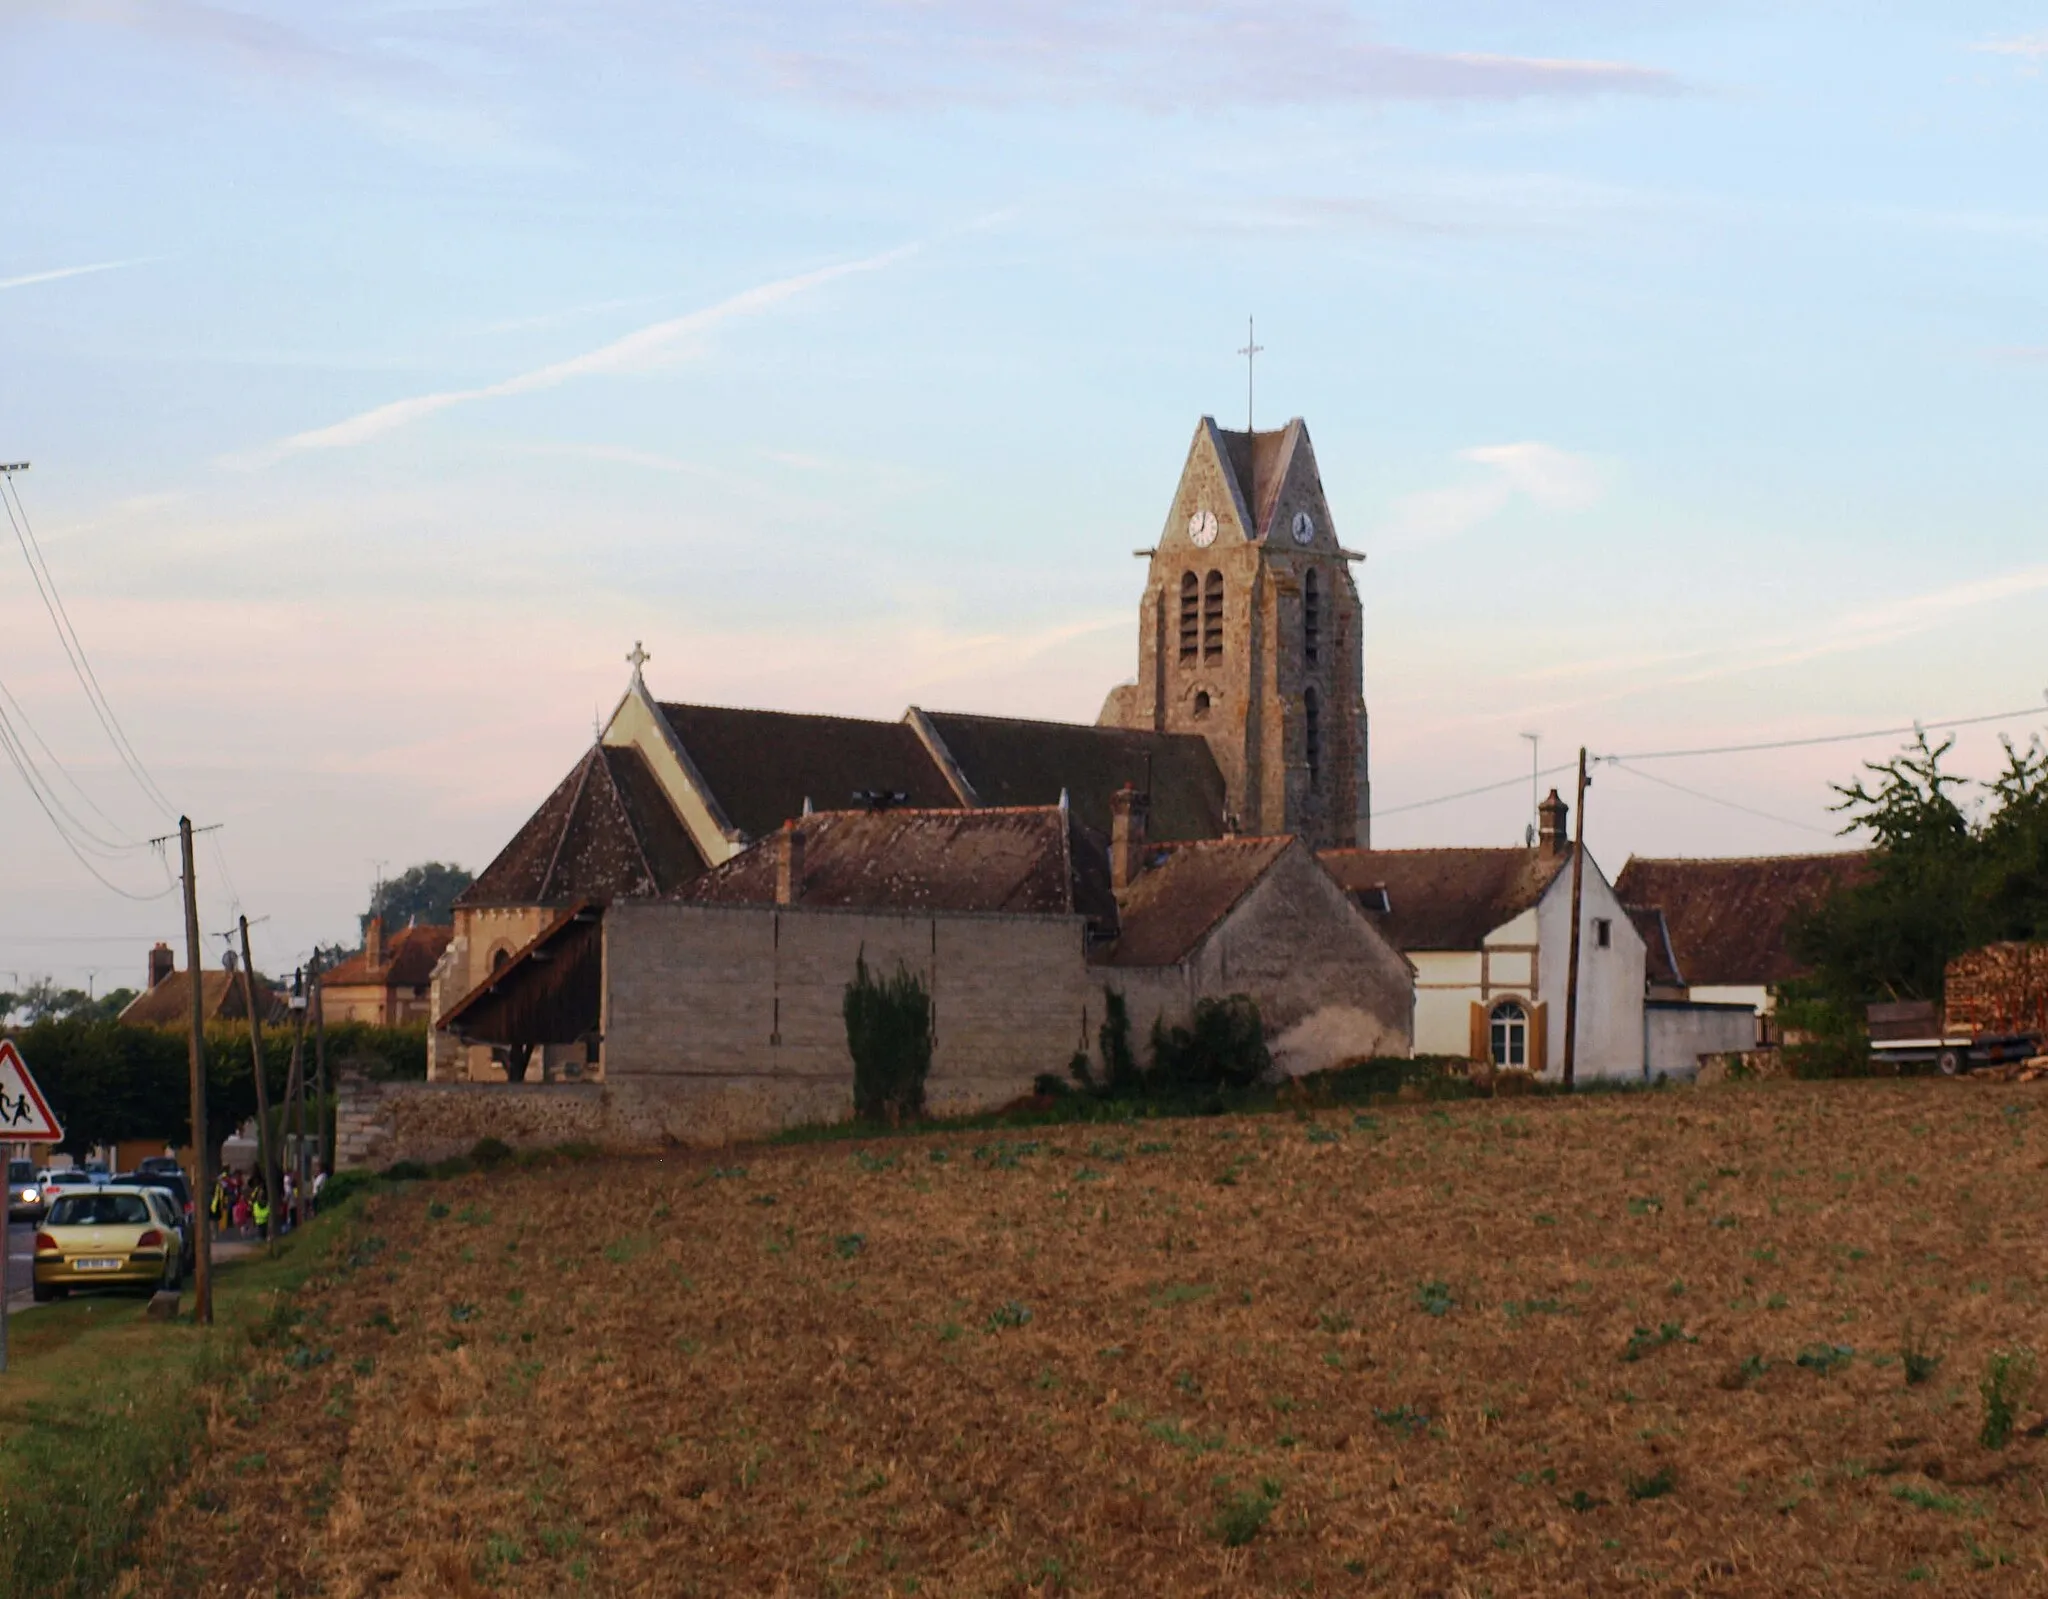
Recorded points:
(1740, 1065)
(377, 1123)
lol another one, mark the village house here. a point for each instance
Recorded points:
(1489, 934)
(1727, 944)
(167, 1001)
(387, 982)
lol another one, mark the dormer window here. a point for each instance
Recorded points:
(1212, 617)
(1190, 615)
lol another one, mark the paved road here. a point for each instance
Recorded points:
(21, 1243)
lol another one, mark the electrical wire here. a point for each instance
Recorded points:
(74, 647)
(1832, 738)
(108, 848)
(1484, 788)
(17, 755)
(1616, 762)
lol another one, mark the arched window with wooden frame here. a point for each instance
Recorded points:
(1190, 616)
(1509, 1034)
(1312, 731)
(1311, 616)
(1212, 617)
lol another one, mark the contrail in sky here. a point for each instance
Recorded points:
(637, 350)
(67, 272)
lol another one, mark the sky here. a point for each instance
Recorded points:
(386, 370)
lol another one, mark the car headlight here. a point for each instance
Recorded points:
(28, 1196)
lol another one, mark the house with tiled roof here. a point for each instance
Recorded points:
(1489, 933)
(387, 982)
(167, 1001)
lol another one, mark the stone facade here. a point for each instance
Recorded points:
(379, 1123)
(1251, 635)
(485, 937)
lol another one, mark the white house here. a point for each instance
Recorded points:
(1489, 933)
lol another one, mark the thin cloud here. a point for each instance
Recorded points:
(2028, 46)
(1162, 55)
(69, 272)
(645, 348)
(1552, 478)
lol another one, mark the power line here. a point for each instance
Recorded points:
(67, 635)
(1831, 738)
(1715, 799)
(21, 765)
(1467, 793)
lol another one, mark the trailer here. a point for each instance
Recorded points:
(1913, 1032)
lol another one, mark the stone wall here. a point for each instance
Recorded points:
(727, 1020)
(377, 1123)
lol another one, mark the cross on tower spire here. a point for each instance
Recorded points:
(638, 659)
(1251, 352)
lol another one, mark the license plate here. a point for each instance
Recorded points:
(96, 1265)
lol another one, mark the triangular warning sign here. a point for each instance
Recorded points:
(24, 1114)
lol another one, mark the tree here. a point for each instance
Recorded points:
(1940, 881)
(424, 893)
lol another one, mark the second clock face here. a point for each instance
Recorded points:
(1304, 528)
(1202, 528)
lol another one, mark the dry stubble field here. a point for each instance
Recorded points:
(1642, 1344)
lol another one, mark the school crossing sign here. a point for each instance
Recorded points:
(24, 1114)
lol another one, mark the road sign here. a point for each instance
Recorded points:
(24, 1114)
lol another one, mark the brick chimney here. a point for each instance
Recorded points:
(1553, 839)
(161, 963)
(373, 940)
(1128, 810)
(789, 864)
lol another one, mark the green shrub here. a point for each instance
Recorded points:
(1241, 1517)
(889, 1035)
(1224, 1046)
(490, 1153)
(2008, 1375)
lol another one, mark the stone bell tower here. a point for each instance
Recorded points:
(1250, 634)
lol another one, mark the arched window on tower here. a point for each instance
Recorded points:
(1312, 727)
(1212, 617)
(1190, 615)
(1311, 616)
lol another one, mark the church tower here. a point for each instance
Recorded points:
(1250, 634)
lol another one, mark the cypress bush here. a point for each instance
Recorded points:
(889, 1034)
(1224, 1046)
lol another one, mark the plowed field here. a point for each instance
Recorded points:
(1644, 1344)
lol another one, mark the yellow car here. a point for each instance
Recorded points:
(112, 1237)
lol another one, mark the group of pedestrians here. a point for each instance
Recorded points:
(242, 1202)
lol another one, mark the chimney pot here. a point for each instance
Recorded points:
(1129, 809)
(1552, 837)
(789, 864)
(161, 963)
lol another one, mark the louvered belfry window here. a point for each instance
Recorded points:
(1212, 617)
(1190, 615)
(1312, 727)
(1311, 617)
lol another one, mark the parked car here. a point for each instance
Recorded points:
(173, 1183)
(117, 1236)
(24, 1192)
(60, 1180)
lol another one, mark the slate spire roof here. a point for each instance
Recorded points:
(1259, 464)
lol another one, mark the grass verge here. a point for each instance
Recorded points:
(100, 1410)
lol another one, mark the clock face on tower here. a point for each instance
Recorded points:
(1202, 528)
(1304, 528)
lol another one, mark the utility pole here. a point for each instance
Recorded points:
(320, 1062)
(1571, 981)
(202, 1190)
(295, 1093)
(264, 1152)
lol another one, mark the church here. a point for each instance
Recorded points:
(687, 904)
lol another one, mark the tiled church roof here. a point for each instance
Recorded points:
(763, 765)
(1446, 898)
(607, 831)
(1011, 762)
(1016, 859)
(1731, 919)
